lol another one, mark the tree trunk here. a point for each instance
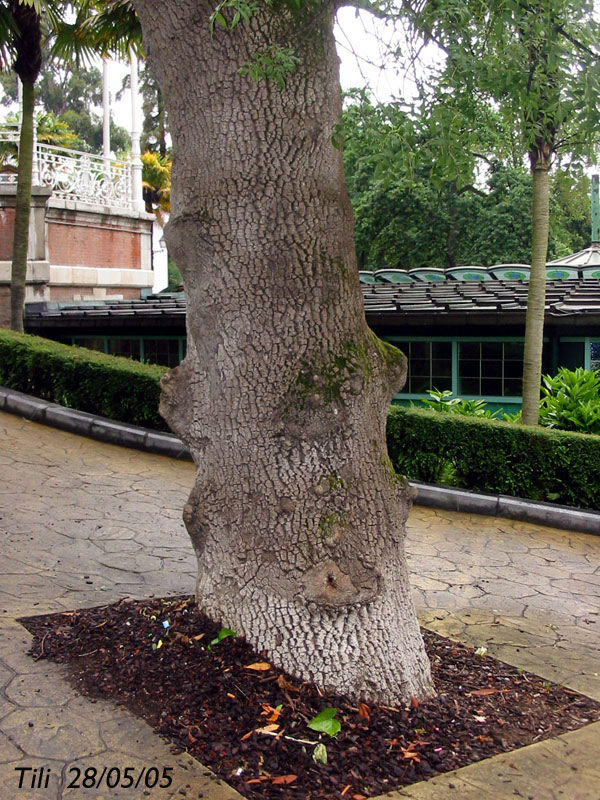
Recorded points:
(536, 298)
(22, 210)
(296, 517)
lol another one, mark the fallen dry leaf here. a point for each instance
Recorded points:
(268, 729)
(284, 780)
(414, 703)
(283, 683)
(364, 711)
(410, 755)
(486, 692)
(259, 666)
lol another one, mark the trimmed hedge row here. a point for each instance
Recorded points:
(113, 387)
(496, 457)
(468, 452)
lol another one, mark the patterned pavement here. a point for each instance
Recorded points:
(85, 523)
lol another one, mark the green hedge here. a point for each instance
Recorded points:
(117, 388)
(498, 457)
(467, 452)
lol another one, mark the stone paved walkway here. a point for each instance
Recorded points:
(84, 523)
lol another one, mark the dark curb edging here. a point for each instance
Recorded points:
(95, 427)
(165, 444)
(499, 505)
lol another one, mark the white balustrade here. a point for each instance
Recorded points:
(73, 175)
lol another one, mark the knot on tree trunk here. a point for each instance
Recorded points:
(326, 585)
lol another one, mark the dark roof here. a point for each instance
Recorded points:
(491, 302)
(151, 312)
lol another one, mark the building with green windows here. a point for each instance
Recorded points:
(462, 329)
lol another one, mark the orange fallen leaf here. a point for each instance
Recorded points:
(410, 755)
(198, 637)
(258, 780)
(414, 703)
(268, 729)
(284, 780)
(364, 711)
(259, 666)
(359, 797)
(246, 736)
(345, 789)
(231, 695)
(272, 714)
(486, 692)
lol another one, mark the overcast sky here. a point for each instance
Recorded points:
(362, 44)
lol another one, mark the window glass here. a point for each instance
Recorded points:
(497, 371)
(91, 343)
(491, 368)
(429, 366)
(491, 386)
(491, 350)
(595, 355)
(470, 350)
(129, 348)
(468, 386)
(513, 351)
(162, 351)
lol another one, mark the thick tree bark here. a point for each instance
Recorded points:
(536, 297)
(296, 517)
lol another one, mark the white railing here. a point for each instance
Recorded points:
(73, 175)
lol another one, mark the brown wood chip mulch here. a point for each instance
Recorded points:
(248, 721)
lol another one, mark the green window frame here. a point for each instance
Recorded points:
(508, 373)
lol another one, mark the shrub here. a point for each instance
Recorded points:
(491, 456)
(571, 401)
(444, 402)
(113, 387)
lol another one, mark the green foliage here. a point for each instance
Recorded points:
(498, 457)
(274, 63)
(444, 401)
(571, 401)
(156, 182)
(325, 722)
(113, 387)
(406, 217)
(224, 633)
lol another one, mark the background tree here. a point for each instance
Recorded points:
(73, 96)
(407, 216)
(296, 516)
(538, 62)
(23, 51)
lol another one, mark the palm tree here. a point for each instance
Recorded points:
(24, 25)
(22, 45)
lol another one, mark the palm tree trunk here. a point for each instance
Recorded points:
(536, 299)
(22, 210)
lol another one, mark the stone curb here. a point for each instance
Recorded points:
(165, 444)
(499, 505)
(95, 427)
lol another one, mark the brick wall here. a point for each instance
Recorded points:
(93, 243)
(59, 294)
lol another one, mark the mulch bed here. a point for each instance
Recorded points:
(248, 721)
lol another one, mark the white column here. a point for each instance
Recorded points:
(105, 110)
(136, 162)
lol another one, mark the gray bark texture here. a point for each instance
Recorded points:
(296, 517)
